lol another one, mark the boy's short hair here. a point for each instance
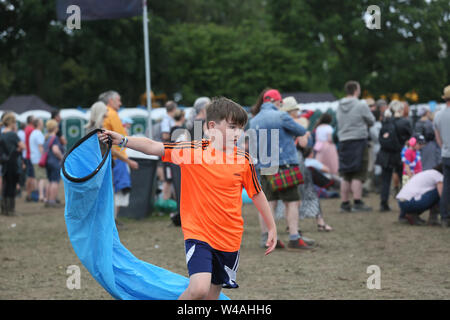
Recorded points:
(351, 87)
(225, 109)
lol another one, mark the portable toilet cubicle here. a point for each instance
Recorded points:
(73, 122)
(139, 117)
(41, 114)
(158, 114)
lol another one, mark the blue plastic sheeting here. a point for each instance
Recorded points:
(245, 197)
(89, 216)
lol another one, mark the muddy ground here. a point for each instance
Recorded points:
(35, 253)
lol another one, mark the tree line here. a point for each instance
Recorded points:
(232, 48)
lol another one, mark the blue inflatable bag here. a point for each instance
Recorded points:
(89, 217)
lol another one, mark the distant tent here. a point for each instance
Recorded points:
(20, 104)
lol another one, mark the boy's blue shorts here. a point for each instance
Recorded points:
(223, 266)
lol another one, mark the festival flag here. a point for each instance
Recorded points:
(100, 9)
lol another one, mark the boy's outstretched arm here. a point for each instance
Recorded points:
(141, 144)
(261, 203)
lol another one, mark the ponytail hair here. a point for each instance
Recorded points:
(257, 106)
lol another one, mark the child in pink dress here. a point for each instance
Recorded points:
(411, 159)
(324, 147)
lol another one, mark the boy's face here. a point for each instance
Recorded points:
(226, 132)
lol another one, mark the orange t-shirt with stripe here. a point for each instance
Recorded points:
(211, 191)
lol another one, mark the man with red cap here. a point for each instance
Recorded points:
(273, 96)
(275, 131)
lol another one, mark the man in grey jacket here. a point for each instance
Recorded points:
(442, 132)
(353, 120)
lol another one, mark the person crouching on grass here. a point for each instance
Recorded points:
(213, 173)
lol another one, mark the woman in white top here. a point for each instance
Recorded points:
(421, 193)
(324, 147)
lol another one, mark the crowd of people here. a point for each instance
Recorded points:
(30, 160)
(31, 155)
(275, 173)
(370, 145)
(284, 168)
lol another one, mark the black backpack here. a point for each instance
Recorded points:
(388, 137)
(421, 128)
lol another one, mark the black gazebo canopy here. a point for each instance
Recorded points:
(20, 104)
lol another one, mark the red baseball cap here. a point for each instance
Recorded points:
(272, 95)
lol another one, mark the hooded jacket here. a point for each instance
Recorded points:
(353, 119)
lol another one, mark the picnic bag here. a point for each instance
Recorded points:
(286, 178)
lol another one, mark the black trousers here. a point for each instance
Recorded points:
(386, 178)
(10, 180)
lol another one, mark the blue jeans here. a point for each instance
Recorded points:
(446, 188)
(121, 176)
(427, 201)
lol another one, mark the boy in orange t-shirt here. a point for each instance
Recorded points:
(213, 173)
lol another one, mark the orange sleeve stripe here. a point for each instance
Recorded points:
(174, 144)
(255, 179)
(177, 143)
(180, 144)
(184, 142)
(183, 147)
(252, 168)
(188, 144)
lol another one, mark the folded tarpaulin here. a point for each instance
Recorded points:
(89, 216)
